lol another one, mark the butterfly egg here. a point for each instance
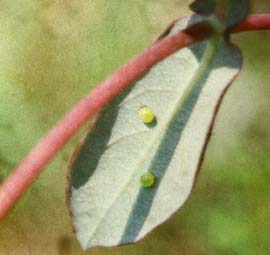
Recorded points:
(147, 180)
(146, 114)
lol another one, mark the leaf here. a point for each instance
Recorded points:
(230, 12)
(108, 204)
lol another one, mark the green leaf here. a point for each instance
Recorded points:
(230, 12)
(108, 202)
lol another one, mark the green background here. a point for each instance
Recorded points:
(53, 52)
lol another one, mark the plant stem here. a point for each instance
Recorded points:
(253, 22)
(23, 176)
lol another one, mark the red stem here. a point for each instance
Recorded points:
(22, 177)
(254, 22)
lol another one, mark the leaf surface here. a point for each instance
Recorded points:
(108, 204)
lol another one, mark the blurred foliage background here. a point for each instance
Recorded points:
(53, 52)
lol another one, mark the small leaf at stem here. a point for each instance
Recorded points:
(230, 12)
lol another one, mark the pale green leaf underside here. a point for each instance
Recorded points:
(108, 203)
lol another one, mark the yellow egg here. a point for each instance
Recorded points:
(146, 114)
(147, 180)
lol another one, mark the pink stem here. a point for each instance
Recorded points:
(254, 22)
(23, 176)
